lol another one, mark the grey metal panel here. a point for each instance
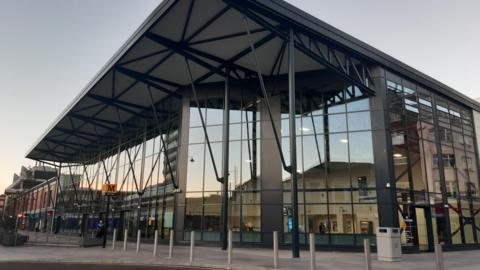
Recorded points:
(271, 174)
(382, 150)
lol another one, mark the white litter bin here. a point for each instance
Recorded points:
(389, 247)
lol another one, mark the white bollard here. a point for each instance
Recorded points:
(192, 246)
(139, 234)
(125, 237)
(170, 248)
(114, 238)
(275, 249)
(155, 243)
(230, 246)
(368, 257)
(439, 265)
(312, 251)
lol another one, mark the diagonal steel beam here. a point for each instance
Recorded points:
(154, 109)
(202, 120)
(265, 96)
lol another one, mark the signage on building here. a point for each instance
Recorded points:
(109, 189)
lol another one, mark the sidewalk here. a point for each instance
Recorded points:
(243, 258)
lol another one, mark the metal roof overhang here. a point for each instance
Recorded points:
(211, 35)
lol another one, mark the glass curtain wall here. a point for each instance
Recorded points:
(203, 194)
(337, 197)
(435, 165)
(144, 200)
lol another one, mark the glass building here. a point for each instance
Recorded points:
(255, 117)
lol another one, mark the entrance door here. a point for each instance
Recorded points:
(424, 228)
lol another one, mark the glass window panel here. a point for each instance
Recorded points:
(396, 122)
(315, 197)
(196, 135)
(214, 115)
(366, 218)
(338, 176)
(212, 197)
(358, 105)
(250, 130)
(472, 174)
(341, 219)
(235, 166)
(317, 218)
(193, 213)
(455, 226)
(469, 143)
(211, 183)
(251, 220)
(195, 167)
(430, 161)
(307, 127)
(362, 165)
(250, 197)
(234, 217)
(457, 139)
(413, 126)
(400, 161)
(235, 132)
(195, 116)
(337, 123)
(236, 115)
(211, 221)
(338, 106)
(314, 161)
(359, 121)
(428, 131)
(215, 133)
(340, 196)
(449, 161)
(287, 194)
(418, 174)
(250, 165)
(462, 172)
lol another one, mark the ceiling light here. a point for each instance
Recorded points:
(397, 155)
(343, 140)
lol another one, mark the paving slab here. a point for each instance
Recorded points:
(215, 258)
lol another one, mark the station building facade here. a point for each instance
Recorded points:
(253, 116)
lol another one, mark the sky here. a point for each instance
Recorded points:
(50, 49)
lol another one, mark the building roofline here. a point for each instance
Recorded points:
(299, 18)
(303, 19)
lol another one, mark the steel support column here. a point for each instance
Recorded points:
(293, 144)
(226, 148)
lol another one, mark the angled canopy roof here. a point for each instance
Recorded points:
(151, 67)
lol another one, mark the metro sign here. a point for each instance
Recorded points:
(109, 189)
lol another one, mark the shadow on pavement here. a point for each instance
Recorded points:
(82, 266)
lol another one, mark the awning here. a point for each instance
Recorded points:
(151, 67)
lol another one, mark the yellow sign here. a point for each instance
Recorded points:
(109, 188)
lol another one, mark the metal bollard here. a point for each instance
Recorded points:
(114, 238)
(125, 237)
(275, 249)
(368, 257)
(170, 248)
(312, 251)
(192, 245)
(230, 246)
(139, 234)
(155, 243)
(439, 265)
